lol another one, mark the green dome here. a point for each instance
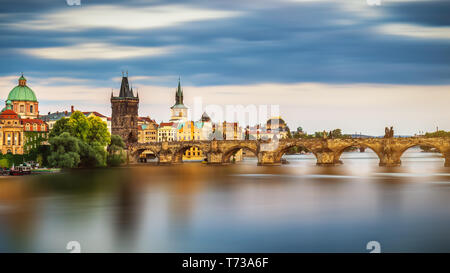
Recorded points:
(22, 93)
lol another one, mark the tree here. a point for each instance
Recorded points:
(98, 131)
(64, 151)
(440, 133)
(92, 137)
(336, 133)
(59, 127)
(79, 126)
(92, 155)
(115, 151)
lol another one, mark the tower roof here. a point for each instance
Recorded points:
(22, 92)
(125, 91)
(179, 97)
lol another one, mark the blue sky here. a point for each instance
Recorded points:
(327, 64)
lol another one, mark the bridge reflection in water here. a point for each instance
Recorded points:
(326, 151)
(298, 207)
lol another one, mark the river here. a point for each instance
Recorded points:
(193, 207)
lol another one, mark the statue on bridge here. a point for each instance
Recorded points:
(389, 132)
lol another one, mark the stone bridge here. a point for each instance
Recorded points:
(326, 151)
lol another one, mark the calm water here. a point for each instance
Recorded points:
(240, 208)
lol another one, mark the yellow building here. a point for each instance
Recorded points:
(189, 131)
(167, 131)
(147, 130)
(20, 131)
(11, 132)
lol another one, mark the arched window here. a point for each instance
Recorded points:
(31, 108)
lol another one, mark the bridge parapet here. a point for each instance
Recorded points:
(326, 151)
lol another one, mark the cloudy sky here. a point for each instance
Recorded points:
(326, 63)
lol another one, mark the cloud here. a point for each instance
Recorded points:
(91, 51)
(415, 31)
(120, 17)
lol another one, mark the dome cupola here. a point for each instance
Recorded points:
(22, 92)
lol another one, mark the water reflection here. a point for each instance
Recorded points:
(237, 208)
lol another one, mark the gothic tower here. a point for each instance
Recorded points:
(124, 117)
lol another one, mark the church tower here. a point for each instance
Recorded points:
(124, 117)
(179, 110)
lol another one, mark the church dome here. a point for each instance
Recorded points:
(22, 92)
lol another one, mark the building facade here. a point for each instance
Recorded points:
(20, 130)
(147, 130)
(11, 132)
(167, 131)
(124, 117)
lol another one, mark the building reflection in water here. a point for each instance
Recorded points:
(194, 207)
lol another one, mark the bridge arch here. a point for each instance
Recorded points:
(136, 153)
(439, 149)
(279, 154)
(178, 153)
(233, 150)
(339, 153)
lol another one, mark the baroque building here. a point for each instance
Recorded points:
(24, 100)
(124, 117)
(20, 130)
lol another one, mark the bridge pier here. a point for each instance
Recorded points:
(132, 158)
(327, 158)
(215, 158)
(268, 158)
(390, 160)
(165, 158)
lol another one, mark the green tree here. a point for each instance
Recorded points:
(440, 133)
(79, 126)
(116, 151)
(336, 133)
(64, 151)
(59, 127)
(92, 155)
(98, 131)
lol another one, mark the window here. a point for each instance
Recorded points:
(31, 108)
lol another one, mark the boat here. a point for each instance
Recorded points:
(20, 170)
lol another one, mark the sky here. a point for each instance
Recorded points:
(325, 64)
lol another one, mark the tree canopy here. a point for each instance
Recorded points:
(79, 141)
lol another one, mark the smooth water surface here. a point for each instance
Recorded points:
(298, 207)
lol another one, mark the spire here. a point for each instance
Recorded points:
(125, 91)
(179, 93)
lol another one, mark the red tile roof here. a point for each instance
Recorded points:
(166, 124)
(9, 114)
(32, 122)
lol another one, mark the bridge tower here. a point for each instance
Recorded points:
(124, 117)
